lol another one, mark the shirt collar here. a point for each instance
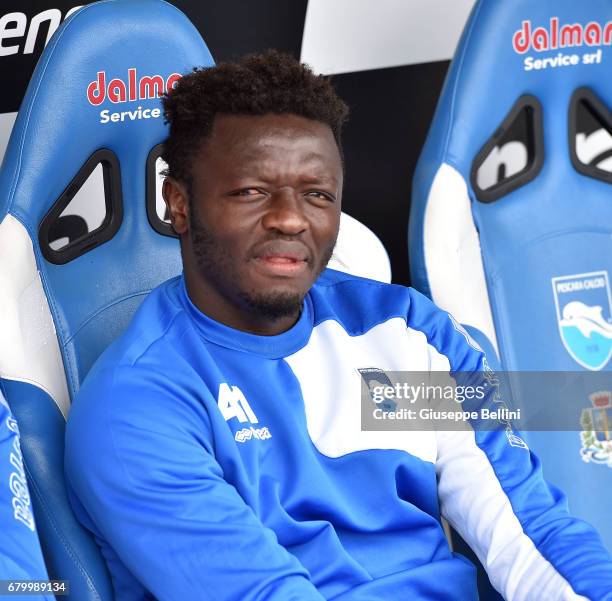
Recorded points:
(271, 347)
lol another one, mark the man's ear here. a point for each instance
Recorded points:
(175, 197)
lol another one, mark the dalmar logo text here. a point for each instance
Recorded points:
(130, 90)
(557, 36)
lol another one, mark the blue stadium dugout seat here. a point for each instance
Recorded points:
(70, 280)
(511, 216)
(84, 235)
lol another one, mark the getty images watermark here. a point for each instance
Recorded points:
(486, 400)
(435, 397)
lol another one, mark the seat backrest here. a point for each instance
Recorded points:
(511, 217)
(360, 252)
(75, 265)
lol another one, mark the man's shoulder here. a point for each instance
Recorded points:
(143, 356)
(359, 304)
(346, 298)
(152, 330)
(142, 377)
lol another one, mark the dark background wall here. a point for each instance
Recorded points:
(388, 59)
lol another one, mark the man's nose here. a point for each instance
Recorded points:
(285, 213)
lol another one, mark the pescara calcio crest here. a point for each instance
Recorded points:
(376, 377)
(584, 317)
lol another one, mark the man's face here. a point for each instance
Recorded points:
(263, 216)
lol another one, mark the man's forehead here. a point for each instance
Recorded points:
(240, 130)
(267, 120)
(254, 140)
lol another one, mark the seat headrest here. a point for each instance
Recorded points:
(96, 87)
(92, 106)
(510, 49)
(360, 252)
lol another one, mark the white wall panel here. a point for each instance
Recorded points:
(342, 36)
(7, 121)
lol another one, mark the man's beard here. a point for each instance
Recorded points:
(215, 264)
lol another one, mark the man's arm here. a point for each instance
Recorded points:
(492, 492)
(140, 459)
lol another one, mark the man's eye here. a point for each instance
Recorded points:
(247, 192)
(320, 195)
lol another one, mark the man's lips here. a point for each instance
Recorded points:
(282, 258)
(284, 264)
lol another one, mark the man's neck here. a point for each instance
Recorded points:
(233, 315)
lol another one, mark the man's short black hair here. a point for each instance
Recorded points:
(258, 84)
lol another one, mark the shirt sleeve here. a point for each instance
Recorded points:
(492, 492)
(20, 554)
(156, 494)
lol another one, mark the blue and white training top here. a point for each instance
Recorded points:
(214, 464)
(20, 555)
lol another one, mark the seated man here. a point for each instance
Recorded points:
(215, 449)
